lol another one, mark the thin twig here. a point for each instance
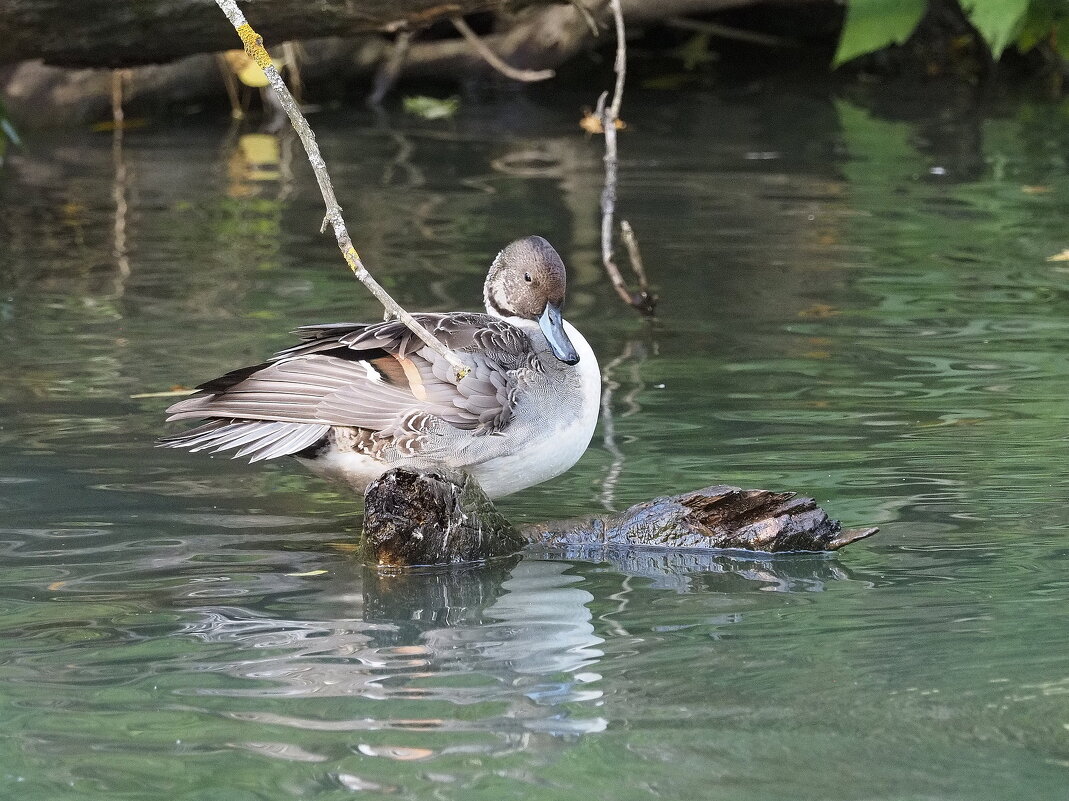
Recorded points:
(634, 256)
(728, 32)
(620, 66)
(493, 59)
(588, 18)
(609, 117)
(255, 48)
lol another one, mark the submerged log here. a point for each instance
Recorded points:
(426, 518)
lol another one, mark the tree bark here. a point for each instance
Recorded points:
(108, 33)
(431, 518)
(38, 94)
(105, 33)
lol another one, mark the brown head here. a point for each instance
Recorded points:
(527, 280)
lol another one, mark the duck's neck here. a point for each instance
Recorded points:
(520, 322)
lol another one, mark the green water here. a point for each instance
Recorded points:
(855, 305)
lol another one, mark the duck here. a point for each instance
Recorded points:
(353, 400)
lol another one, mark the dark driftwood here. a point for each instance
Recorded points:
(431, 518)
(714, 517)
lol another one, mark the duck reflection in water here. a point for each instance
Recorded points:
(519, 633)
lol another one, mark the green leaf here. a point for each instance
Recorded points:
(1036, 26)
(874, 24)
(431, 108)
(997, 20)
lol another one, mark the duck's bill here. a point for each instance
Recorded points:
(552, 325)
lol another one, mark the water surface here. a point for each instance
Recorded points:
(855, 304)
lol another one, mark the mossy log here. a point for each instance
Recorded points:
(427, 518)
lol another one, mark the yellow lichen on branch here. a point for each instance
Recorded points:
(254, 46)
(352, 258)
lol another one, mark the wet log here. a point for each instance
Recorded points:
(717, 517)
(103, 33)
(433, 518)
(37, 94)
(427, 518)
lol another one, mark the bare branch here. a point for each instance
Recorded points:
(609, 117)
(728, 32)
(620, 66)
(255, 48)
(588, 18)
(608, 201)
(492, 58)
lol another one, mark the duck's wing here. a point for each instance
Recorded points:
(378, 377)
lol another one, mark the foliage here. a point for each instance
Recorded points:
(874, 24)
(431, 108)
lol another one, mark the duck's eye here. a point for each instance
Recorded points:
(527, 277)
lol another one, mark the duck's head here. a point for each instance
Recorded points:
(527, 280)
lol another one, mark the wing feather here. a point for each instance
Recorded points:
(378, 377)
(261, 439)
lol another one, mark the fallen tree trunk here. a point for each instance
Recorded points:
(103, 33)
(427, 518)
(38, 94)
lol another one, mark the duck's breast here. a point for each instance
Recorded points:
(551, 426)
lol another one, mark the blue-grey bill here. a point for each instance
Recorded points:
(552, 326)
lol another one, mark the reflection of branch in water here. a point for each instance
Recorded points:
(635, 354)
(402, 158)
(291, 54)
(390, 69)
(621, 598)
(286, 183)
(119, 184)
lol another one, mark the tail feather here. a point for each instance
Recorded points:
(256, 439)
